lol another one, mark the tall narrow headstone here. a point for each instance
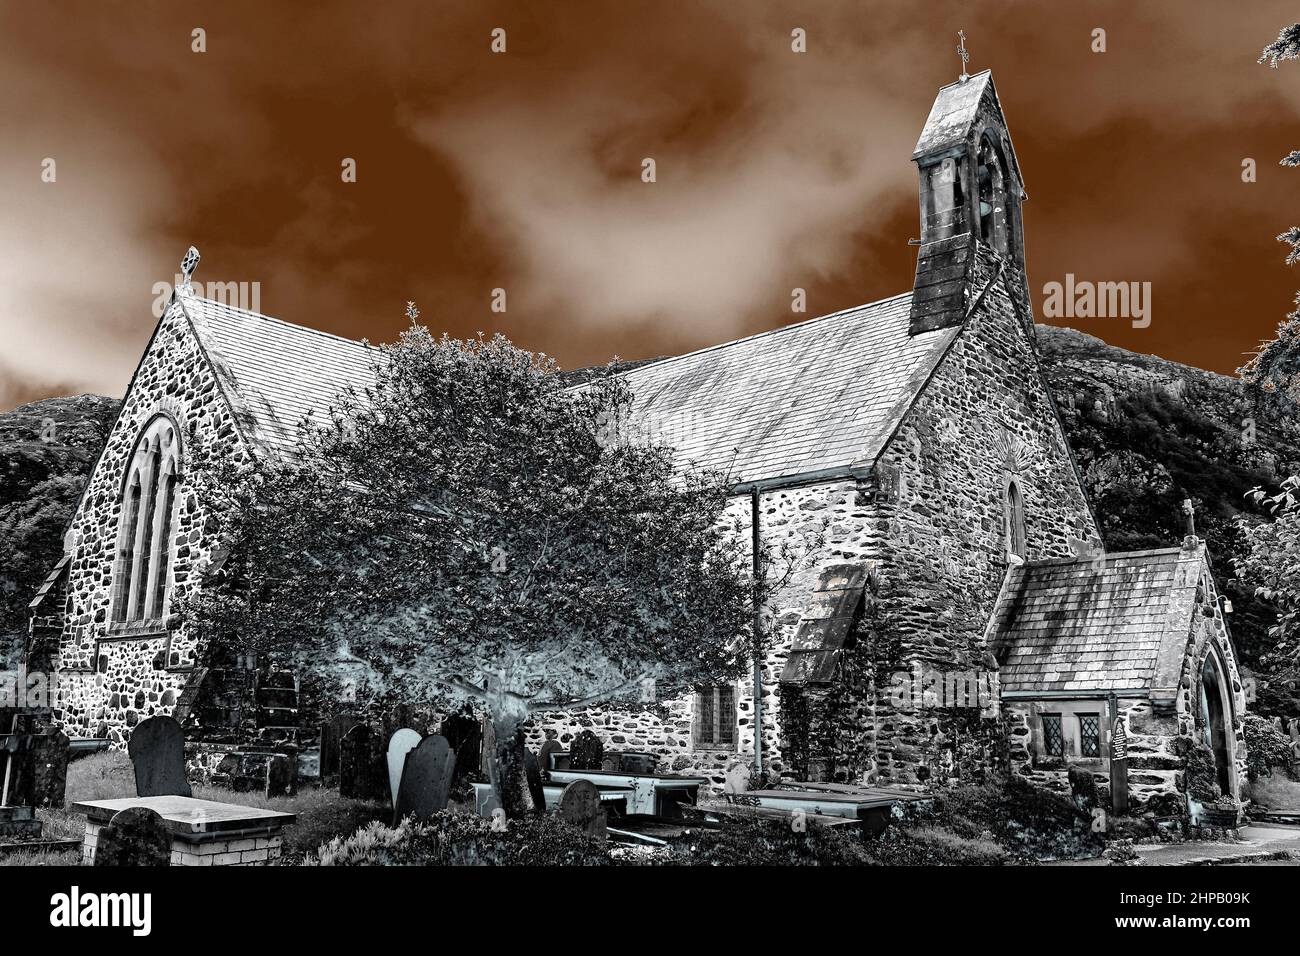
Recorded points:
(49, 768)
(399, 745)
(157, 749)
(533, 774)
(363, 770)
(426, 780)
(464, 733)
(550, 746)
(136, 836)
(331, 737)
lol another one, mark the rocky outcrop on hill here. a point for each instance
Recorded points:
(1148, 434)
(47, 449)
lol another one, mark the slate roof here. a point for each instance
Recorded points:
(1064, 626)
(816, 396)
(826, 624)
(951, 114)
(274, 372)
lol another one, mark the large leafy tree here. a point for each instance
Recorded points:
(1272, 561)
(469, 530)
(1273, 373)
(1271, 556)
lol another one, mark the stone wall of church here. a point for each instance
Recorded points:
(807, 529)
(931, 518)
(118, 675)
(985, 419)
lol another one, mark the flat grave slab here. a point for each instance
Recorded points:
(204, 832)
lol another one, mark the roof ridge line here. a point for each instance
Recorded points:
(758, 335)
(285, 322)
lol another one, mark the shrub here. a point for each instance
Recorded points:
(461, 839)
(1202, 776)
(758, 841)
(322, 814)
(1267, 748)
(1030, 823)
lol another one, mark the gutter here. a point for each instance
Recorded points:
(857, 472)
(1127, 692)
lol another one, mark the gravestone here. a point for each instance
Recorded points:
(36, 766)
(636, 761)
(533, 774)
(157, 749)
(464, 732)
(363, 771)
(399, 745)
(281, 776)
(611, 762)
(425, 779)
(586, 752)
(49, 768)
(331, 736)
(136, 836)
(580, 807)
(551, 746)
(736, 779)
(488, 748)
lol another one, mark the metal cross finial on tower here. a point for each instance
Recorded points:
(189, 264)
(961, 52)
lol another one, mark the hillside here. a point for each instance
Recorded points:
(46, 450)
(1148, 433)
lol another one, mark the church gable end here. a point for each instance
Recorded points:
(139, 538)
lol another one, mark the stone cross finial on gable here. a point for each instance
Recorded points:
(961, 52)
(1190, 511)
(189, 264)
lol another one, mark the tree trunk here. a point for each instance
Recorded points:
(508, 770)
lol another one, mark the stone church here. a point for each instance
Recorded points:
(949, 608)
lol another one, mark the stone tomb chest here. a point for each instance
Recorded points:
(204, 833)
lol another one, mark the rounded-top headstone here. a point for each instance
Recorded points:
(586, 752)
(426, 779)
(136, 836)
(579, 803)
(157, 750)
(580, 807)
(550, 746)
(399, 745)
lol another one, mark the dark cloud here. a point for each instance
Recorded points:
(522, 171)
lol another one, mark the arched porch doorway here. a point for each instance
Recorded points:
(1216, 723)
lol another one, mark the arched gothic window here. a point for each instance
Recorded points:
(1015, 519)
(144, 540)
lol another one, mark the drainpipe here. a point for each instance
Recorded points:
(755, 544)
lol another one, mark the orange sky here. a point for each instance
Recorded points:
(522, 170)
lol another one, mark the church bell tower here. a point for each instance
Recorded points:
(971, 191)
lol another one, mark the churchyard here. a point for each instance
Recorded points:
(400, 797)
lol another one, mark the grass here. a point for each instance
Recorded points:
(1276, 792)
(322, 814)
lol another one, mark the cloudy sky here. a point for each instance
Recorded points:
(522, 170)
